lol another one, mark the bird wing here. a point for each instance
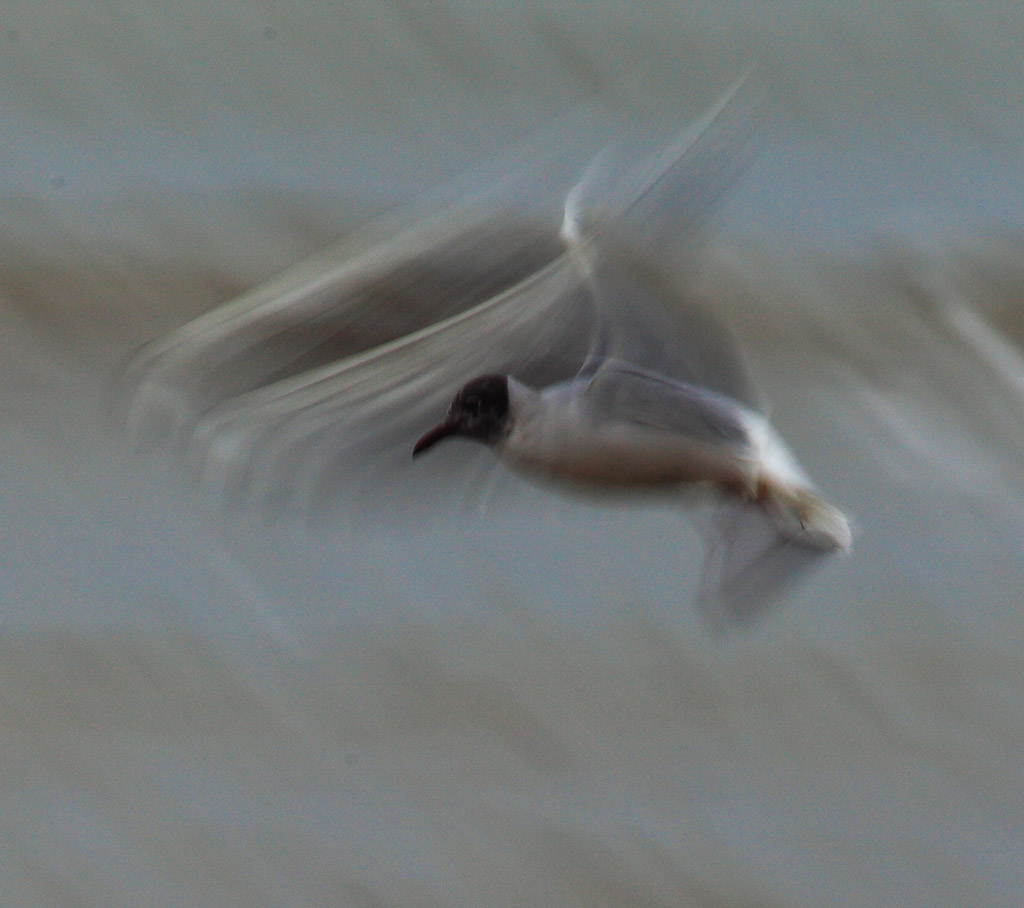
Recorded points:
(317, 382)
(624, 393)
(347, 426)
(648, 316)
(634, 228)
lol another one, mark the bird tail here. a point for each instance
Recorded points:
(804, 517)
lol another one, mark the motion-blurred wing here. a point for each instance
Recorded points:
(320, 381)
(749, 569)
(635, 230)
(656, 189)
(347, 427)
(338, 305)
(649, 317)
(627, 394)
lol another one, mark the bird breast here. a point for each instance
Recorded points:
(570, 448)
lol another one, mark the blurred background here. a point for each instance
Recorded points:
(519, 707)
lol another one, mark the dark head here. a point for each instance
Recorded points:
(479, 412)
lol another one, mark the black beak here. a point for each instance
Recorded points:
(438, 433)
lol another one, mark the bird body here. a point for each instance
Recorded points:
(560, 432)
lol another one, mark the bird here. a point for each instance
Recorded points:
(625, 427)
(570, 336)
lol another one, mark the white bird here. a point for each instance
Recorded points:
(625, 427)
(580, 357)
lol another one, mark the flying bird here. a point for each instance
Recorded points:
(569, 336)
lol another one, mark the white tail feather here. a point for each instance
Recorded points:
(803, 517)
